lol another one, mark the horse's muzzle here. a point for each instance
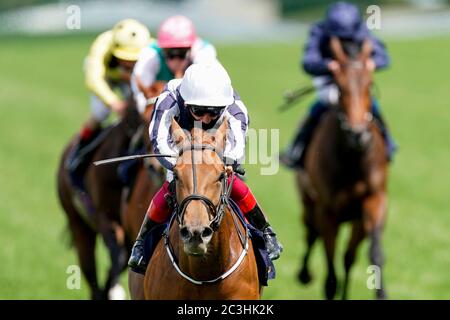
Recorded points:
(196, 239)
(358, 139)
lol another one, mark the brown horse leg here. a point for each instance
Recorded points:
(329, 234)
(118, 256)
(84, 239)
(85, 244)
(136, 285)
(304, 275)
(83, 235)
(374, 214)
(357, 236)
(377, 259)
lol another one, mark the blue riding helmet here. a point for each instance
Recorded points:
(344, 21)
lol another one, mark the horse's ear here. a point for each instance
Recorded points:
(366, 50)
(338, 51)
(220, 135)
(178, 134)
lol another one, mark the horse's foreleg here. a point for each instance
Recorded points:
(357, 236)
(118, 256)
(377, 259)
(329, 234)
(84, 240)
(304, 275)
(83, 237)
(374, 216)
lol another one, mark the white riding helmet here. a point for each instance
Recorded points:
(207, 84)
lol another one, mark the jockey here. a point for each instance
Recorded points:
(344, 21)
(204, 96)
(108, 67)
(177, 47)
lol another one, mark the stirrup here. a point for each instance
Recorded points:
(293, 156)
(136, 261)
(273, 246)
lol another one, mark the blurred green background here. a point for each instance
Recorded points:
(43, 102)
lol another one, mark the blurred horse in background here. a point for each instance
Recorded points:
(95, 208)
(345, 173)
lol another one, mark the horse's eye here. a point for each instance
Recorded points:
(221, 176)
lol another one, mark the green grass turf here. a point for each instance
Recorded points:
(43, 102)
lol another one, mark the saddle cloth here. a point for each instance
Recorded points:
(266, 268)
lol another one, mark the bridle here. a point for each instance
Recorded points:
(342, 117)
(344, 123)
(215, 211)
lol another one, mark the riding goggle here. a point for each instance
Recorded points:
(180, 53)
(200, 111)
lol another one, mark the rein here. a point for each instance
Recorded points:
(343, 119)
(215, 211)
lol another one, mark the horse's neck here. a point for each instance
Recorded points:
(347, 161)
(130, 122)
(147, 141)
(344, 160)
(223, 251)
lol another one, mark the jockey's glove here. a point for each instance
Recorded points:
(237, 167)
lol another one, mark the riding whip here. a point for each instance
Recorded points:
(138, 156)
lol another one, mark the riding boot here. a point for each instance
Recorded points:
(257, 218)
(391, 145)
(77, 155)
(136, 261)
(293, 157)
(294, 154)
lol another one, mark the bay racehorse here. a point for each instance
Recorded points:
(206, 254)
(100, 213)
(346, 173)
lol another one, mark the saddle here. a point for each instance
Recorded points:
(76, 164)
(127, 171)
(78, 159)
(266, 268)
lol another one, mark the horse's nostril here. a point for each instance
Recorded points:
(184, 233)
(364, 138)
(207, 232)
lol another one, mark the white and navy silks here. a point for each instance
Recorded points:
(170, 105)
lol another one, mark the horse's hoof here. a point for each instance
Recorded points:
(98, 295)
(304, 277)
(381, 295)
(117, 293)
(330, 288)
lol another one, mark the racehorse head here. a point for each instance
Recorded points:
(200, 185)
(354, 79)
